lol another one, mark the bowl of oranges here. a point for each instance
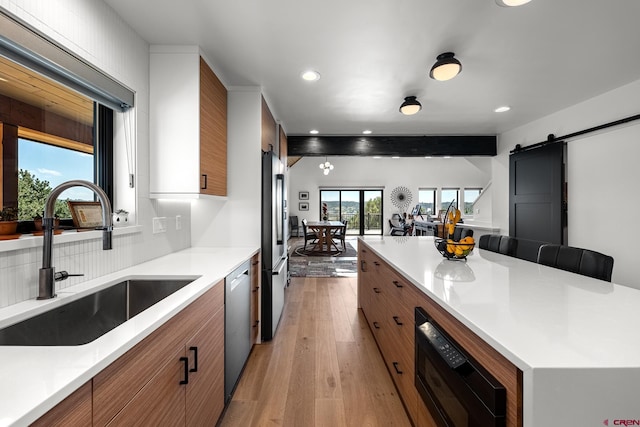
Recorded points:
(451, 249)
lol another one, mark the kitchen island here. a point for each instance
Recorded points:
(573, 338)
(36, 378)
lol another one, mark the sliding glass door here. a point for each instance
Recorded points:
(362, 209)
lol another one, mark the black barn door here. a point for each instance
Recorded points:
(536, 180)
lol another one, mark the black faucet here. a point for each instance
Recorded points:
(47, 276)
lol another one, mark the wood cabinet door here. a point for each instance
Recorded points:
(74, 411)
(213, 133)
(124, 379)
(205, 391)
(161, 400)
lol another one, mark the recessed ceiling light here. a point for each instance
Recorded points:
(427, 157)
(395, 157)
(447, 157)
(502, 109)
(310, 75)
(377, 157)
(366, 132)
(314, 132)
(511, 3)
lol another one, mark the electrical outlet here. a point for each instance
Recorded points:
(178, 222)
(159, 225)
(477, 211)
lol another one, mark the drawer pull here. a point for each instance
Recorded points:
(398, 284)
(195, 359)
(395, 319)
(185, 361)
(395, 366)
(204, 187)
(376, 325)
(363, 265)
(376, 263)
(376, 290)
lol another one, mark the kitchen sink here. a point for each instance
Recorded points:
(88, 318)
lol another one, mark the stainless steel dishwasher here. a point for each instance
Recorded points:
(237, 326)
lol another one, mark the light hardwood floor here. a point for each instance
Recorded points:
(322, 368)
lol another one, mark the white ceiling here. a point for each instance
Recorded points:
(538, 58)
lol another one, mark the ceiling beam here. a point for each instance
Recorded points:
(403, 146)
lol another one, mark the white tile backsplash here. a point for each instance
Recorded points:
(19, 269)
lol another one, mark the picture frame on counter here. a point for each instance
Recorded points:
(85, 215)
(303, 195)
(303, 206)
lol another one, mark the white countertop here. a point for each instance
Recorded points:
(573, 337)
(34, 379)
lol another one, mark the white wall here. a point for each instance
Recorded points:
(386, 173)
(94, 32)
(602, 173)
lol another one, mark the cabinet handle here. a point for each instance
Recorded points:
(376, 263)
(195, 359)
(398, 285)
(376, 290)
(363, 265)
(204, 175)
(376, 325)
(395, 366)
(255, 262)
(185, 361)
(255, 325)
(395, 319)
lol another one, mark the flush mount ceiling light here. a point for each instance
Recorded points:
(310, 75)
(502, 109)
(511, 3)
(314, 132)
(326, 167)
(446, 67)
(366, 132)
(410, 106)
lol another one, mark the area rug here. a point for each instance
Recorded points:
(301, 266)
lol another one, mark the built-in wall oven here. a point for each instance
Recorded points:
(456, 389)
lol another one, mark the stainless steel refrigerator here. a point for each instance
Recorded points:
(274, 256)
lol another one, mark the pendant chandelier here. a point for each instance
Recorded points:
(326, 167)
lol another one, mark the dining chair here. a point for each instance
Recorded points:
(308, 236)
(597, 265)
(294, 226)
(494, 242)
(508, 245)
(528, 249)
(460, 233)
(340, 235)
(577, 260)
(483, 241)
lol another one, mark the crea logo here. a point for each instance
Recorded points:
(622, 422)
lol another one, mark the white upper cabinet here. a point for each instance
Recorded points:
(188, 125)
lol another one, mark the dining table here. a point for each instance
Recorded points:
(325, 231)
